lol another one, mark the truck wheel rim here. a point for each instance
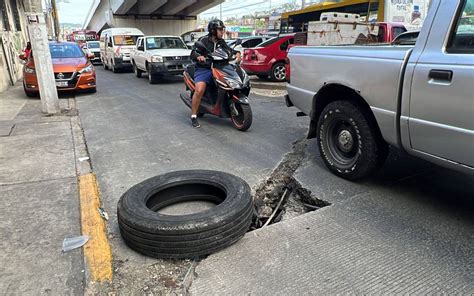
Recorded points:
(280, 73)
(342, 141)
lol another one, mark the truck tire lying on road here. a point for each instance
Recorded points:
(185, 236)
(350, 146)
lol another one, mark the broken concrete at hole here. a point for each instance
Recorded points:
(269, 193)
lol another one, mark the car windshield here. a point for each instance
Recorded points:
(93, 44)
(120, 40)
(269, 42)
(65, 51)
(165, 43)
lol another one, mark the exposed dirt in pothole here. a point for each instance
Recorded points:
(281, 197)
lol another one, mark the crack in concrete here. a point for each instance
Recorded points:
(271, 190)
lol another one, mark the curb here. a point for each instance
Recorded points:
(97, 251)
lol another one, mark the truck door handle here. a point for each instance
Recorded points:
(446, 75)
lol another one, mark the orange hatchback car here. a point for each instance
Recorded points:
(72, 69)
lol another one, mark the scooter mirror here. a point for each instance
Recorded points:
(238, 42)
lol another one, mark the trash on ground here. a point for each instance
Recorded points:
(103, 214)
(83, 158)
(71, 243)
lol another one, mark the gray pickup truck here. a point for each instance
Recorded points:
(361, 99)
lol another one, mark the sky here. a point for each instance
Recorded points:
(238, 8)
(75, 11)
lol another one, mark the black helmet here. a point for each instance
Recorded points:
(214, 25)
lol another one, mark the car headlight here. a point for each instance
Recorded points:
(29, 70)
(157, 59)
(233, 83)
(87, 69)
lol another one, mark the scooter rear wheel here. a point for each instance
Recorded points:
(243, 120)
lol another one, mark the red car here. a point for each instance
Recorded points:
(268, 58)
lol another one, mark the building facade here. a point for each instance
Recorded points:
(13, 37)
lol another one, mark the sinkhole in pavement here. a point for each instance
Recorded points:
(281, 197)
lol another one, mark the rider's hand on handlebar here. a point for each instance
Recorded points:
(201, 59)
(238, 58)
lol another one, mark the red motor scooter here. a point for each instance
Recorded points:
(227, 96)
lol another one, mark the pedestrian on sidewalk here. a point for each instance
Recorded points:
(27, 50)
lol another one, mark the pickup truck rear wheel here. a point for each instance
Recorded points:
(349, 144)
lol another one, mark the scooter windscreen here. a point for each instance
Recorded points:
(220, 55)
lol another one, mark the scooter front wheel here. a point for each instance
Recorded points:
(243, 120)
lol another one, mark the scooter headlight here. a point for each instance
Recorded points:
(234, 83)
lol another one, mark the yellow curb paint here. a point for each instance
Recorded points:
(97, 250)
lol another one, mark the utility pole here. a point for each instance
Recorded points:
(55, 19)
(38, 33)
(303, 4)
(220, 8)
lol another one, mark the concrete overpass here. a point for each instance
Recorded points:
(151, 16)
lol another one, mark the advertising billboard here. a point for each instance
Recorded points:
(409, 12)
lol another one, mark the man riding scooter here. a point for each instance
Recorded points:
(203, 74)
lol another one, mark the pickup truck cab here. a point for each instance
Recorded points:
(93, 47)
(160, 55)
(361, 99)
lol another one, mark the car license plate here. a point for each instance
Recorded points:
(61, 83)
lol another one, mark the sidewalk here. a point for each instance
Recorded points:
(411, 238)
(39, 194)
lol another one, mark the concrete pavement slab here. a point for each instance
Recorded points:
(408, 239)
(37, 151)
(6, 128)
(12, 101)
(34, 220)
